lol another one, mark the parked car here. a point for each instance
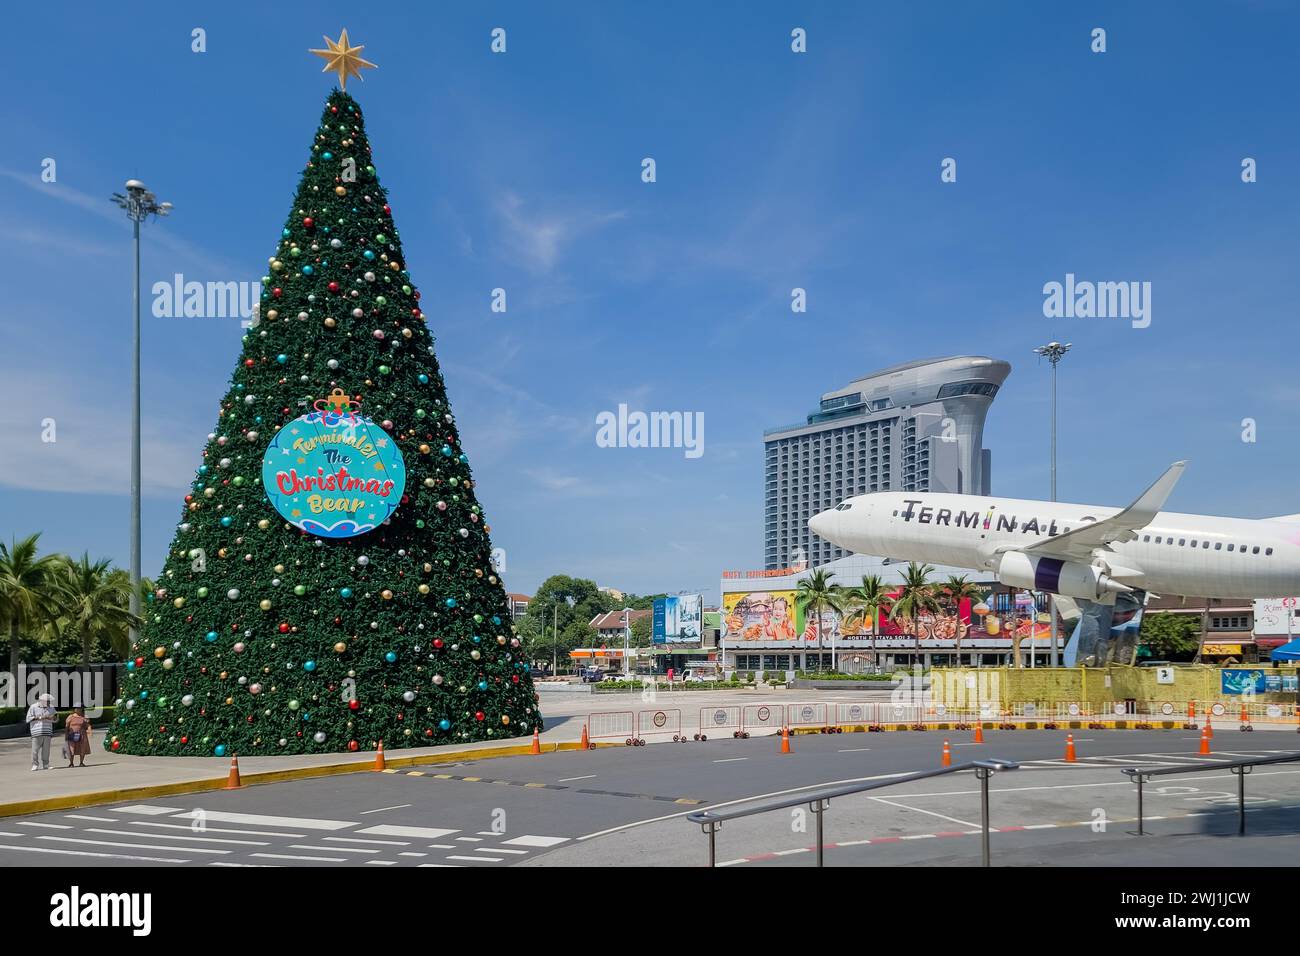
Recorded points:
(592, 675)
(613, 676)
(539, 672)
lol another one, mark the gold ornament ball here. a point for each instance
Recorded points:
(428, 568)
(265, 604)
(340, 647)
(272, 314)
(424, 449)
(330, 323)
(279, 569)
(179, 602)
(424, 589)
(505, 718)
(340, 191)
(386, 594)
(229, 701)
(160, 652)
(263, 524)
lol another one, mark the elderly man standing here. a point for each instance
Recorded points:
(41, 718)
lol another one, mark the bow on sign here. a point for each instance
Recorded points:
(337, 402)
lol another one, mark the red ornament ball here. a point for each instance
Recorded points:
(478, 715)
(333, 287)
(354, 704)
(284, 628)
(139, 662)
(353, 745)
(437, 642)
(249, 363)
(309, 222)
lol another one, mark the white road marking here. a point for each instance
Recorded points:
(801, 849)
(1040, 826)
(499, 849)
(304, 823)
(588, 776)
(917, 836)
(7, 834)
(941, 816)
(730, 759)
(540, 842)
(134, 846)
(286, 856)
(208, 829)
(856, 750)
(146, 809)
(470, 839)
(169, 836)
(79, 816)
(231, 863)
(382, 862)
(478, 859)
(104, 856)
(334, 839)
(426, 833)
(49, 826)
(332, 849)
(442, 846)
(449, 865)
(400, 806)
(407, 853)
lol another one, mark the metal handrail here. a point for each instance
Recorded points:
(1237, 767)
(818, 801)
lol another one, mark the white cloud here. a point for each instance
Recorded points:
(537, 239)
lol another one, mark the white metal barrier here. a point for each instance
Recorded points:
(618, 723)
(661, 721)
(854, 714)
(720, 721)
(756, 717)
(809, 714)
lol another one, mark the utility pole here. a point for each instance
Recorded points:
(1053, 352)
(138, 203)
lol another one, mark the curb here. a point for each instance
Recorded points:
(74, 801)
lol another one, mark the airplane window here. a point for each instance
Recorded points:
(1157, 539)
(1268, 550)
(1193, 542)
(1146, 537)
(1169, 540)
(1182, 542)
(1231, 546)
(1218, 546)
(1205, 544)
(1255, 550)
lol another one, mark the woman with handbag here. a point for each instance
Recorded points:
(76, 735)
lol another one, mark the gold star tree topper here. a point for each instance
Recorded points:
(343, 58)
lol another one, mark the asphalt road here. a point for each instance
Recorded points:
(625, 806)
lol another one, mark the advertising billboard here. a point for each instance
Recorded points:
(759, 616)
(678, 619)
(1276, 617)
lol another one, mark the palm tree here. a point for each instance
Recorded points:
(96, 605)
(816, 594)
(915, 597)
(954, 589)
(30, 590)
(867, 601)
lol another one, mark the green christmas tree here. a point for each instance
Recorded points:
(330, 585)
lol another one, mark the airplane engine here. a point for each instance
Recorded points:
(1054, 576)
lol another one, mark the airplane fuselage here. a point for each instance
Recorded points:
(1175, 554)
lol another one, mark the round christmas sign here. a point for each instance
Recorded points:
(334, 472)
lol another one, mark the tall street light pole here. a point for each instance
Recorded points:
(1053, 352)
(138, 203)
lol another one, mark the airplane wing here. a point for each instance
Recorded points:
(1079, 543)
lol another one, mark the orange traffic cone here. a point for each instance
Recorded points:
(1191, 708)
(537, 743)
(1209, 727)
(785, 741)
(233, 782)
(1069, 748)
(586, 744)
(979, 733)
(1245, 717)
(947, 754)
(1205, 741)
(379, 757)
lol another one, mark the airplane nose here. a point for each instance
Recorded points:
(822, 524)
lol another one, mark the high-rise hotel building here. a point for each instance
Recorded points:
(913, 427)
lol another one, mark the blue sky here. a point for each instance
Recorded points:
(775, 171)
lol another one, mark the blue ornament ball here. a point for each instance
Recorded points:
(210, 637)
(450, 602)
(424, 379)
(309, 665)
(391, 657)
(282, 358)
(444, 724)
(219, 750)
(345, 592)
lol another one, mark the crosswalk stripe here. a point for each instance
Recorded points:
(287, 856)
(305, 823)
(103, 856)
(541, 842)
(136, 846)
(478, 859)
(334, 849)
(208, 829)
(169, 836)
(391, 829)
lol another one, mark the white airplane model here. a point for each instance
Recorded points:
(1079, 551)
